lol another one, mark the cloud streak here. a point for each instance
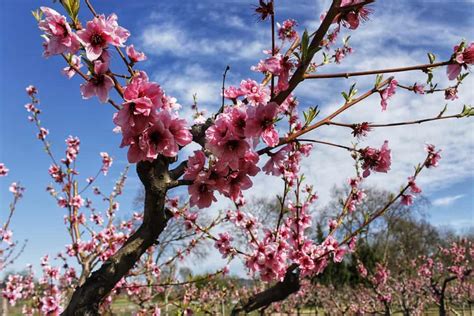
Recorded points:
(447, 200)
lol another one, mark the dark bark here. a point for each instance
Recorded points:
(87, 297)
(442, 292)
(278, 292)
(157, 179)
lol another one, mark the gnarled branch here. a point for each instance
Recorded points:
(155, 177)
(278, 292)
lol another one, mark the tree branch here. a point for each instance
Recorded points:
(278, 292)
(298, 75)
(375, 72)
(87, 298)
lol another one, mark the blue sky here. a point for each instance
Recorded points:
(189, 44)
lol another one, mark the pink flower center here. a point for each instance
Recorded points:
(97, 40)
(232, 145)
(266, 122)
(156, 137)
(98, 80)
(203, 188)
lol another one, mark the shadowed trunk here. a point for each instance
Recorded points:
(157, 179)
(87, 297)
(278, 292)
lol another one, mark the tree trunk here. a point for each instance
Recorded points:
(276, 293)
(87, 297)
(442, 307)
(4, 306)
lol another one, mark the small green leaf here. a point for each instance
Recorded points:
(326, 58)
(345, 40)
(38, 14)
(378, 80)
(304, 45)
(310, 115)
(430, 76)
(462, 76)
(72, 8)
(352, 92)
(431, 57)
(346, 97)
(467, 111)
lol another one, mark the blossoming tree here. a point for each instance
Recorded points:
(259, 128)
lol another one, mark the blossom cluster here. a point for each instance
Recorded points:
(147, 122)
(146, 118)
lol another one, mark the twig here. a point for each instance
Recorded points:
(375, 72)
(400, 123)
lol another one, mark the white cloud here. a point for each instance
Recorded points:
(447, 200)
(171, 39)
(378, 44)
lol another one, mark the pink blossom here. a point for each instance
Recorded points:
(134, 55)
(361, 130)
(43, 132)
(419, 88)
(62, 203)
(16, 189)
(254, 92)
(224, 141)
(339, 254)
(77, 201)
(352, 244)
(164, 137)
(413, 187)
(223, 244)
(462, 57)
(6, 236)
(339, 55)
(261, 121)
(233, 92)
(361, 269)
(50, 305)
(31, 90)
(171, 104)
(270, 65)
(99, 84)
(59, 37)
(72, 149)
(239, 180)
(202, 191)
(70, 71)
(451, 93)
(106, 162)
(376, 160)
(277, 65)
(99, 33)
(30, 107)
(97, 219)
(351, 19)
(274, 165)
(56, 173)
(433, 156)
(388, 92)
(181, 134)
(3, 170)
(381, 274)
(143, 99)
(286, 31)
(407, 199)
(195, 165)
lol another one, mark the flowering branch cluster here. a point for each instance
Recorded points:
(254, 120)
